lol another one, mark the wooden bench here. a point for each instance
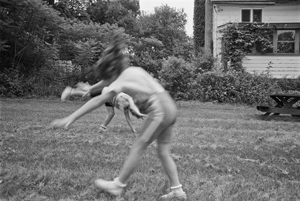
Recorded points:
(285, 104)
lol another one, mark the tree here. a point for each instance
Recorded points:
(50, 2)
(121, 12)
(72, 9)
(29, 29)
(208, 27)
(97, 11)
(158, 36)
(168, 26)
(199, 25)
(83, 43)
(34, 35)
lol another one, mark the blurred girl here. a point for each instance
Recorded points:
(152, 99)
(122, 102)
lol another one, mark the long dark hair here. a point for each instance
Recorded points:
(112, 61)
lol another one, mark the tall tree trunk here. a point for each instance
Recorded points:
(50, 2)
(208, 27)
(199, 25)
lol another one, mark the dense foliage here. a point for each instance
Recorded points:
(184, 82)
(241, 40)
(199, 25)
(189, 81)
(122, 12)
(235, 88)
(177, 75)
(43, 48)
(28, 29)
(160, 35)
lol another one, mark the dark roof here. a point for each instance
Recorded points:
(269, 2)
(243, 0)
(287, 1)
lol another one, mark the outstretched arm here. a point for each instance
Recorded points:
(87, 89)
(99, 85)
(126, 113)
(86, 108)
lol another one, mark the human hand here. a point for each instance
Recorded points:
(88, 93)
(137, 113)
(62, 123)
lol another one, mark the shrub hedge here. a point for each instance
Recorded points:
(184, 81)
(235, 88)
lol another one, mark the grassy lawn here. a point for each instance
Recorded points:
(223, 152)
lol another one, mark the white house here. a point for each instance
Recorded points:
(283, 15)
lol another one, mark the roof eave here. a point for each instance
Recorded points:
(276, 25)
(243, 2)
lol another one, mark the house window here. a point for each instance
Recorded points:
(246, 14)
(251, 15)
(257, 13)
(286, 41)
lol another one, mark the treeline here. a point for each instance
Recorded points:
(45, 46)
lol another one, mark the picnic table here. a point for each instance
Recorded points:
(285, 104)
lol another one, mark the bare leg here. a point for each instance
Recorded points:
(110, 114)
(133, 159)
(169, 165)
(164, 154)
(126, 113)
(68, 92)
(77, 92)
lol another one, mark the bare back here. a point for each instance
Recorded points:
(137, 83)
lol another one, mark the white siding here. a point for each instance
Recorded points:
(228, 13)
(225, 13)
(281, 66)
(281, 14)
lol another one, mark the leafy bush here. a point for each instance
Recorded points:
(203, 63)
(235, 88)
(187, 82)
(47, 82)
(176, 75)
(289, 85)
(146, 52)
(11, 82)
